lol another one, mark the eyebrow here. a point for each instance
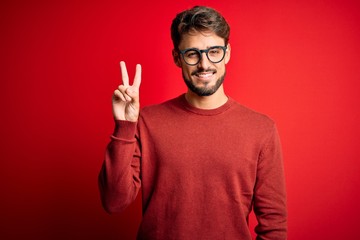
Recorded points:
(204, 48)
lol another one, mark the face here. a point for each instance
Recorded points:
(204, 78)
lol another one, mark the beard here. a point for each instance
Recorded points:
(205, 90)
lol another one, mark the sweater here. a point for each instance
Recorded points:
(201, 172)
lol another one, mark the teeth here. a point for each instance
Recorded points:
(204, 74)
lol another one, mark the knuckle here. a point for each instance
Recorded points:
(121, 87)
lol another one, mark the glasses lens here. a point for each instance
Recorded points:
(191, 56)
(216, 54)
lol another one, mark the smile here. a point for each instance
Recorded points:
(204, 75)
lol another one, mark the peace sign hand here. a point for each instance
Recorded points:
(125, 101)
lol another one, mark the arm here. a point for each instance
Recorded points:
(119, 178)
(270, 193)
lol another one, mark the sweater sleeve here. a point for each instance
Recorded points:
(269, 193)
(119, 178)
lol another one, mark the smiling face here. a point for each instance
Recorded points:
(204, 78)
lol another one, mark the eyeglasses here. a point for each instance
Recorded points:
(192, 56)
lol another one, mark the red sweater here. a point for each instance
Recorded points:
(201, 172)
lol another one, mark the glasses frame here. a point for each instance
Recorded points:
(201, 51)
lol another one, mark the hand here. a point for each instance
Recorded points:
(125, 101)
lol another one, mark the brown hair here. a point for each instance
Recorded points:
(199, 18)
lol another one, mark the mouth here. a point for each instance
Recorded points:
(204, 75)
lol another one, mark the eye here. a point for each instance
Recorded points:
(191, 54)
(215, 51)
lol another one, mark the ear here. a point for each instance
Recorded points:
(228, 53)
(176, 58)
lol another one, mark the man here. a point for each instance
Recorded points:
(202, 160)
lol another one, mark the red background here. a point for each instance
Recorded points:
(296, 61)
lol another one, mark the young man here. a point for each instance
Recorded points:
(202, 160)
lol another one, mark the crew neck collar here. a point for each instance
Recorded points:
(206, 112)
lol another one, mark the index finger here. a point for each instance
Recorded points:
(124, 74)
(137, 79)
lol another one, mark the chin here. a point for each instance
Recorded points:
(204, 89)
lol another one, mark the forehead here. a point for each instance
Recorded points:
(200, 40)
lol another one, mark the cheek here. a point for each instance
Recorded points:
(221, 69)
(186, 71)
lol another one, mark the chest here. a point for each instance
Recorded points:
(189, 148)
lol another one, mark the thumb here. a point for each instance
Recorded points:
(133, 93)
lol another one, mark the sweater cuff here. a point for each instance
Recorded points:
(124, 130)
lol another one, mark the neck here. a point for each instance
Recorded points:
(207, 102)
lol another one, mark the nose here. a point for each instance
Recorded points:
(204, 62)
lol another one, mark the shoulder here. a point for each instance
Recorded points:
(161, 109)
(251, 116)
(253, 124)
